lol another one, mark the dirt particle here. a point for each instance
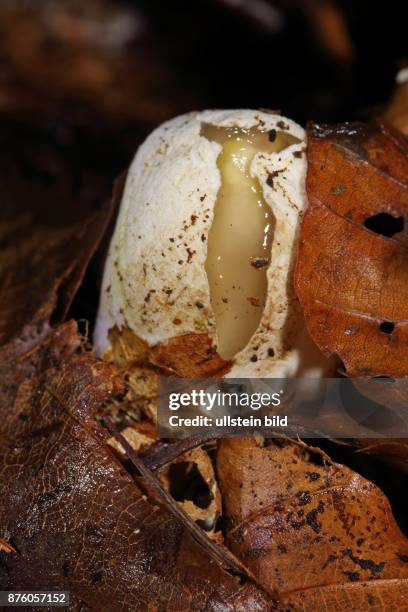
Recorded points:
(366, 564)
(254, 302)
(352, 576)
(313, 476)
(297, 524)
(311, 518)
(282, 549)
(304, 498)
(330, 559)
(65, 569)
(259, 262)
(272, 176)
(190, 254)
(148, 295)
(272, 135)
(338, 189)
(96, 578)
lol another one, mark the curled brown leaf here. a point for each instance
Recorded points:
(316, 532)
(352, 264)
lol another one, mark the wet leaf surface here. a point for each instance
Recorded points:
(75, 516)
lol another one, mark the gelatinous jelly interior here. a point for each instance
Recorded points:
(240, 238)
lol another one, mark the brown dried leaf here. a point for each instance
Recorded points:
(352, 280)
(49, 229)
(136, 437)
(315, 531)
(191, 355)
(76, 517)
(42, 268)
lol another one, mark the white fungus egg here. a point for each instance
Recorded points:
(200, 266)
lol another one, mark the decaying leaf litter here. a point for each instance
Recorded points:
(295, 530)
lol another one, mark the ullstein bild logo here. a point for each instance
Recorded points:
(228, 421)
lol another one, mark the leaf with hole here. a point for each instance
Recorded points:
(352, 263)
(191, 481)
(72, 516)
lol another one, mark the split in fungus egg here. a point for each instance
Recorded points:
(241, 235)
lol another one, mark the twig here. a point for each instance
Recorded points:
(222, 555)
(160, 454)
